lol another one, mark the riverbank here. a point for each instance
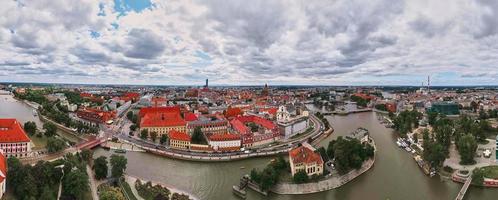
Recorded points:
(131, 181)
(330, 183)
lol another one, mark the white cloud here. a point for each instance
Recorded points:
(250, 42)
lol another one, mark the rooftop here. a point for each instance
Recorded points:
(11, 131)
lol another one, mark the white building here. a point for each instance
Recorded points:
(225, 142)
(292, 120)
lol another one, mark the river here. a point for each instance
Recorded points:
(12, 108)
(395, 174)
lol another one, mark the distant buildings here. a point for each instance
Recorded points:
(225, 142)
(13, 139)
(304, 158)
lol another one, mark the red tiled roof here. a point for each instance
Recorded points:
(161, 120)
(233, 112)
(3, 167)
(95, 115)
(11, 131)
(85, 95)
(176, 135)
(363, 96)
(224, 137)
(258, 120)
(228, 148)
(174, 109)
(190, 117)
(239, 126)
(303, 154)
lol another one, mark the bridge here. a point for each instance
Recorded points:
(466, 185)
(91, 143)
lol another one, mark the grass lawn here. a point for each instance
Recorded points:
(39, 142)
(491, 172)
(127, 189)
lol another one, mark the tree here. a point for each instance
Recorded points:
(432, 117)
(144, 134)
(133, 127)
(50, 129)
(47, 194)
(86, 155)
(129, 115)
(255, 175)
(118, 163)
(111, 193)
(300, 177)
(478, 176)
(198, 136)
(467, 147)
(30, 127)
(75, 183)
(323, 153)
(163, 139)
(100, 167)
(55, 144)
(153, 136)
(253, 126)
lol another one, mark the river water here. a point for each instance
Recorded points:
(395, 174)
(12, 108)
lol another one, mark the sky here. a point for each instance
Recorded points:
(240, 42)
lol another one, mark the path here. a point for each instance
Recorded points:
(93, 184)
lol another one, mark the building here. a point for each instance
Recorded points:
(13, 139)
(179, 140)
(445, 108)
(162, 120)
(95, 117)
(266, 133)
(209, 124)
(3, 175)
(304, 158)
(225, 142)
(292, 120)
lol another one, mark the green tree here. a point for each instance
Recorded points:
(50, 129)
(100, 167)
(30, 127)
(111, 193)
(118, 163)
(75, 183)
(300, 177)
(467, 147)
(432, 117)
(129, 115)
(47, 194)
(163, 139)
(144, 134)
(198, 136)
(153, 136)
(478, 176)
(86, 155)
(323, 153)
(269, 177)
(255, 175)
(55, 144)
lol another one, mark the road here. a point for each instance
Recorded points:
(120, 130)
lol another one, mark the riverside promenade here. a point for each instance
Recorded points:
(331, 182)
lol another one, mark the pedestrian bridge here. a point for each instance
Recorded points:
(466, 185)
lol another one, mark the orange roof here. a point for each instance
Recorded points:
(233, 112)
(224, 137)
(170, 109)
(190, 117)
(162, 120)
(305, 155)
(11, 131)
(176, 135)
(3, 167)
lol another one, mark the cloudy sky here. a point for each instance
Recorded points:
(331, 42)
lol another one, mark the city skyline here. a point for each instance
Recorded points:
(380, 42)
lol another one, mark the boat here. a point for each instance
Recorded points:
(242, 167)
(408, 149)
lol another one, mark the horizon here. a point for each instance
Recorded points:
(236, 43)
